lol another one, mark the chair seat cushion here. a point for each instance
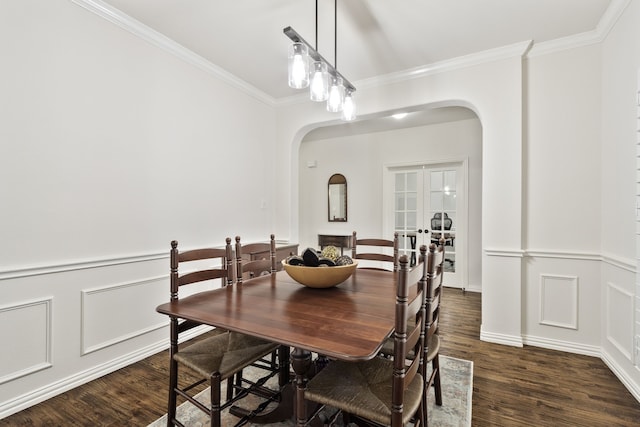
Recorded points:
(362, 389)
(224, 354)
(434, 348)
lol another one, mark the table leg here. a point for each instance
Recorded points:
(301, 362)
(284, 357)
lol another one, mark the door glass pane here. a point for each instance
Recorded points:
(450, 180)
(400, 182)
(436, 201)
(436, 181)
(412, 201)
(452, 217)
(449, 199)
(399, 220)
(449, 261)
(412, 220)
(400, 201)
(412, 181)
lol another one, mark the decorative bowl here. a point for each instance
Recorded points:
(319, 277)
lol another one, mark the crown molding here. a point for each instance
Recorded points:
(157, 39)
(607, 22)
(509, 51)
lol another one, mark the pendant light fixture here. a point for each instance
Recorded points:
(348, 107)
(319, 82)
(298, 66)
(307, 68)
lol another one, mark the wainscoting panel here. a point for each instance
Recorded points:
(559, 301)
(619, 319)
(27, 330)
(563, 301)
(112, 314)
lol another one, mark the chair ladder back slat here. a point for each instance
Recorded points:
(375, 242)
(200, 254)
(202, 275)
(222, 255)
(378, 256)
(375, 257)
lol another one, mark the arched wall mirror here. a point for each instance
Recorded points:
(337, 198)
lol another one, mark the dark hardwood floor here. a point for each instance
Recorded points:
(511, 386)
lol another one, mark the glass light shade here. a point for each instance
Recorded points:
(348, 107)
(298, 66)
(319, 84)
(336, 95)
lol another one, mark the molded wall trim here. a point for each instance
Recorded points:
(65, 266)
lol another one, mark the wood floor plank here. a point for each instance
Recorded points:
(511, 386)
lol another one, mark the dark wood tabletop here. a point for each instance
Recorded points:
(347, 322)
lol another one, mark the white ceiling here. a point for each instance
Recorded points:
(375, 37)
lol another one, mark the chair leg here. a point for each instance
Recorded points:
(238, 382)
(230, 387)
(214, 412)
(421, 416)
(173, 384)
(436, 381)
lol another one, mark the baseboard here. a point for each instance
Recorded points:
(568, 347)
(622, 375)
(511, 340)
(474, 288)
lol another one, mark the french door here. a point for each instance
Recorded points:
(427, 204)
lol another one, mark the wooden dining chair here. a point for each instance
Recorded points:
(363, 249)
(247, 268)
(385, 391)
(433, 291)
(217, 357)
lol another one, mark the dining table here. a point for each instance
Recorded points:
(349, 321)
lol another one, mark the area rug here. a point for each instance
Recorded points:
(457, 390)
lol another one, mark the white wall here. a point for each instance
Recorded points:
(562, 195)
(618, 289)
(361, 159)
(110, 148)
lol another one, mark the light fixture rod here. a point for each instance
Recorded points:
(335, 33)
(296, 38)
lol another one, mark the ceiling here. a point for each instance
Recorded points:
(374, 37)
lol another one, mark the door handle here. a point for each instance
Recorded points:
(419, 230)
